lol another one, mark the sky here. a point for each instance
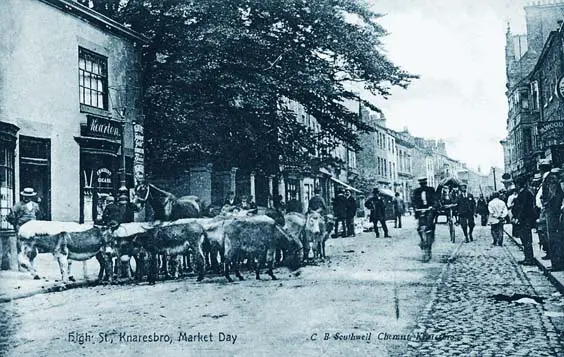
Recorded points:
(457, 47)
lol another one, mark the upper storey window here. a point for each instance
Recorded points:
(93, 79)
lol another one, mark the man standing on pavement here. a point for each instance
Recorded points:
(340, 212)
(524, 218)
(351, 212)
(316, 202)
(377, 212)
(24, 211)
(466, 211)
(498, 213)
(552, 196)
(544, 168)
(398, 210)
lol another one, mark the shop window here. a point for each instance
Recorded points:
(6, 184)
(93, 79)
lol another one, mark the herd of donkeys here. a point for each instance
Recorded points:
(222, 243)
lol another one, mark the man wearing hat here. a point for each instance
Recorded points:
(26, 210)
(424, 197)
(544, 166)
(340, 212)
(524, 218)
(552, 196)
(466, 210)
(112, 214)
(377, 209)
(507, 181)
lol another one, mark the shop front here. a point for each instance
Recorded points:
(8, 134)
(100, 143)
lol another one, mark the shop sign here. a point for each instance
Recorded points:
(104, 176)
(104, 128)
(139, 153)
(550, 131)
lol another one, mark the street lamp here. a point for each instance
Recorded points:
(122, 191)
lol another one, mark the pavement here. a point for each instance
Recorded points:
(556, 277)
(20, 284)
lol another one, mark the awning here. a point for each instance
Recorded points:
(346, 185)
(386, 192)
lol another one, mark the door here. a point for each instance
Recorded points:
(35, 170)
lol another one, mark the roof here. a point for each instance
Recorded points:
(96, 19)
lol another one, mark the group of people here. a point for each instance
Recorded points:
(525, 205)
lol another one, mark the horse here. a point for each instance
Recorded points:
(167, 207)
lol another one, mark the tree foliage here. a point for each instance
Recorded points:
(218, 72)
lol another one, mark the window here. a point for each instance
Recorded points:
(525, 100)
(6, 184)
(93, 79)
(534, 96)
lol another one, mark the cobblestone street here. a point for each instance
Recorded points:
(472, 322)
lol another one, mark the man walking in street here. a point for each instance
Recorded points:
(524, 218)
(466, 211)
(340, 212)
(350, 213)
(399, 210)
(424, 197)
(377, 212)
(498, 213)
(482, 210)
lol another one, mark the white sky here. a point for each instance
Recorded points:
(458, 49)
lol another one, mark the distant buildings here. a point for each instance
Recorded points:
(535, 88)
(393, 161)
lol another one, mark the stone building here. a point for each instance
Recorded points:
(547, 90)
(70, 94)
(523, 146)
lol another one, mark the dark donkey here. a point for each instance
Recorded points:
(167, 207)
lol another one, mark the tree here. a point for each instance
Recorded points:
(218, 75)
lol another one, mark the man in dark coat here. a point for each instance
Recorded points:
(552, 196)
(424, 197)
(524, 216)
(482, 210)
(350, 213)
(466, 211)
(398, 210)
(377, 209)
(340, 212)
(112, 214)
(316, 202)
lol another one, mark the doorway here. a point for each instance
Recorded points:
(35, 170)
